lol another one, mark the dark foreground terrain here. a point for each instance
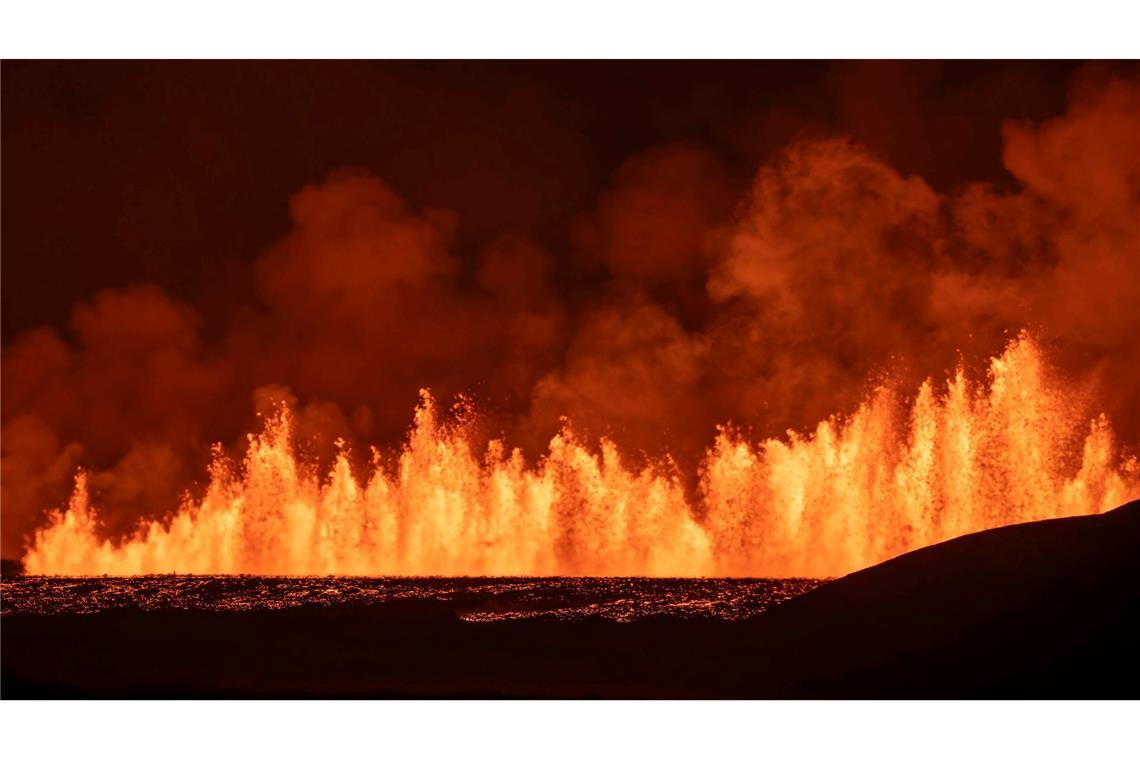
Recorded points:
(1049, 609)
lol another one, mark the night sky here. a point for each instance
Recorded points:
(177, 173)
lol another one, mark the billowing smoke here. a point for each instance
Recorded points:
(686, 298)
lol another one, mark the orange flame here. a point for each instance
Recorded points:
(856, 491)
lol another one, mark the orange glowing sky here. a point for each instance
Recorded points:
(639, 302)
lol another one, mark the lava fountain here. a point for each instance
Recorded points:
(893, 476)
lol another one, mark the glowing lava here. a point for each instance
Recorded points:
(889, 478)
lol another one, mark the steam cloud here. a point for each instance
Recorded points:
(770, 308)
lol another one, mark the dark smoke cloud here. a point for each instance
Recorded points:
(685, 294)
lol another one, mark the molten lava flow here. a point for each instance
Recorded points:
(887, 479)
